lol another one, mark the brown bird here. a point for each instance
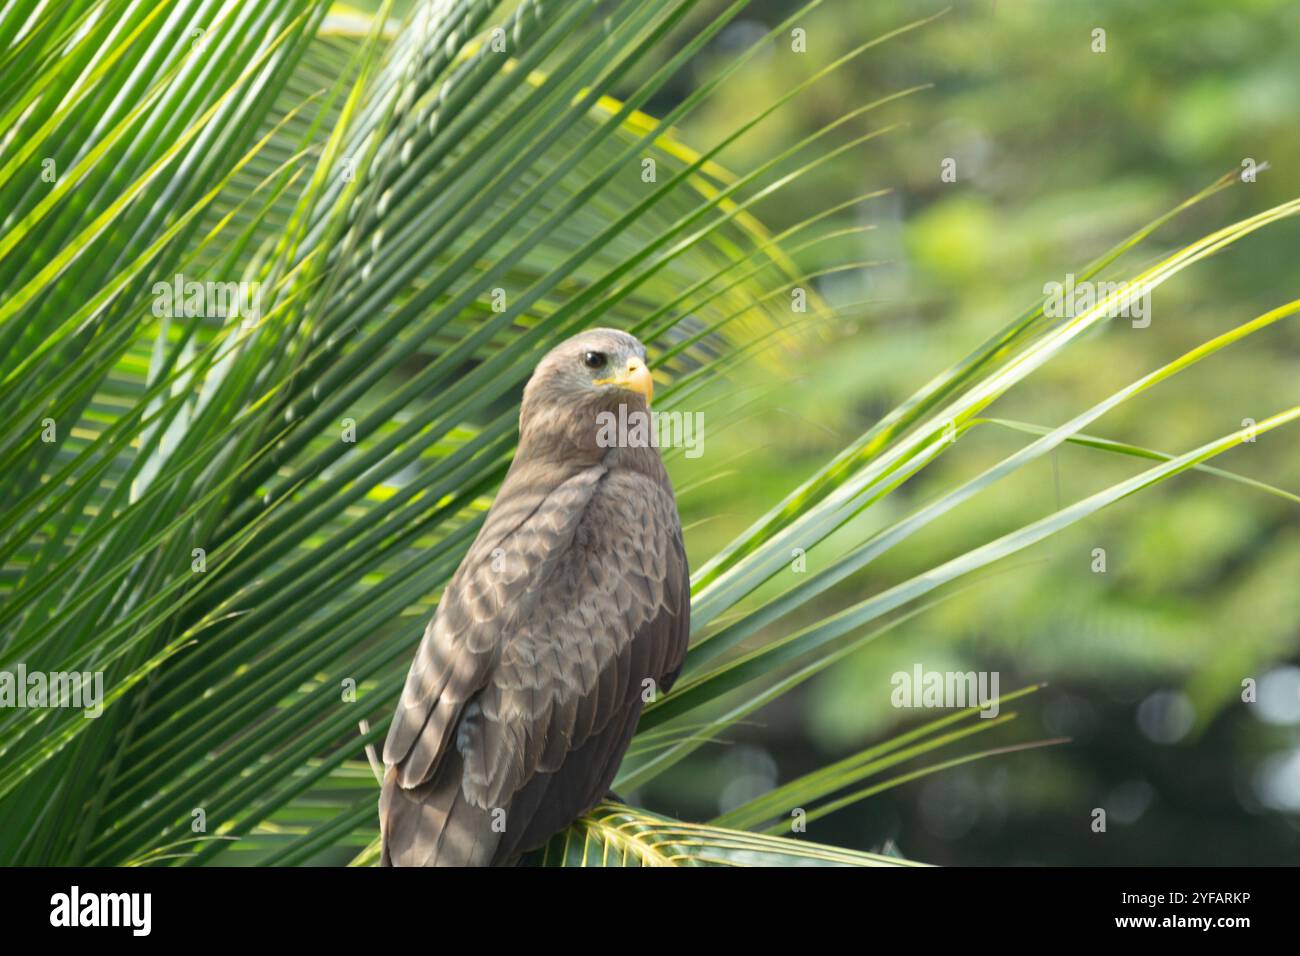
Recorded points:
(571, 609)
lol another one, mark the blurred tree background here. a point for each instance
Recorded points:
(1059, 152)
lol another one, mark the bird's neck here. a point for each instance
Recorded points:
(645, 460)
(616, 432)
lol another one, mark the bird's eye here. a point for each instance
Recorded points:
(595, 359)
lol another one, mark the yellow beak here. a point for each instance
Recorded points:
(635, 379)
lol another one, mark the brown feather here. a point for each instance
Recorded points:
(527, 686)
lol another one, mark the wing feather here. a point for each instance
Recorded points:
(532, 672)
(620, 633)
(490, 593)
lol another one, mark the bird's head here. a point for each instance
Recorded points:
(593, 372)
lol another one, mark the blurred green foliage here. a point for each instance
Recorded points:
(1060, 152)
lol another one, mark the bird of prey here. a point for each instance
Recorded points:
(570, 610)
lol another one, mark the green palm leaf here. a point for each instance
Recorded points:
(243, 520)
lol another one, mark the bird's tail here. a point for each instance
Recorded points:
(433, 824)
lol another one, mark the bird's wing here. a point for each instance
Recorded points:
(491, 597)
(608, 628)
